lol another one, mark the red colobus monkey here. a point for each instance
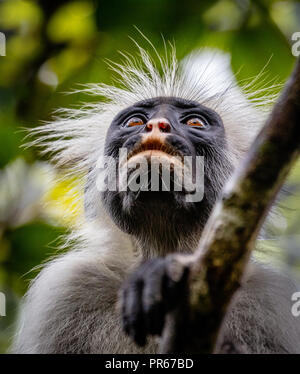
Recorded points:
(189, 109)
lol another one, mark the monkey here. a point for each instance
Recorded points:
(127, 239)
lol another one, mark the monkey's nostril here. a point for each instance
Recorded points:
(160, 125)
(164, 126)
(148, 127)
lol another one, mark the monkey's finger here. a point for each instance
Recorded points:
(175, 284)
(153, 303)
(133, 312)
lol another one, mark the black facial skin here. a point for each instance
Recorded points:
(162, 218)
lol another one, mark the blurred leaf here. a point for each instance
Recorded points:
(68, 61)
(22, 14)
(31, 244)
(22, 187)
(72, 22)
(62, 202)
(254, 47)
(9, 144)
(286, 15)
(224, 15)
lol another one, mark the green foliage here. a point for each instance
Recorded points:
(54, 45)
(32, 244)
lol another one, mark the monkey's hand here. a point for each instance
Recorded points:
(154, 289)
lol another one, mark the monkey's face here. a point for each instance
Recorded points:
(164, 136)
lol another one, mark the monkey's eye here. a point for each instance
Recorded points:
(135, 121)
(196, 122)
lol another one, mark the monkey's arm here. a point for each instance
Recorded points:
(259, 320)
(71, 308)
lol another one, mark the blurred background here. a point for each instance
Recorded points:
(54, 45)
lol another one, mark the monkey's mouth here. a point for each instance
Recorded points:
(155, 149)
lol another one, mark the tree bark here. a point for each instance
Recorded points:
(231, 232)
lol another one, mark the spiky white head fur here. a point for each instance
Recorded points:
(204, 76)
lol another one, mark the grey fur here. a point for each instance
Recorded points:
(72, 308)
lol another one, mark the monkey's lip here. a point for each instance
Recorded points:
(155, 148)
(157, 155)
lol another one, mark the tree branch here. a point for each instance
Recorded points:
(230, 234)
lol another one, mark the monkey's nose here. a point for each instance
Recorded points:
(158, 125)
